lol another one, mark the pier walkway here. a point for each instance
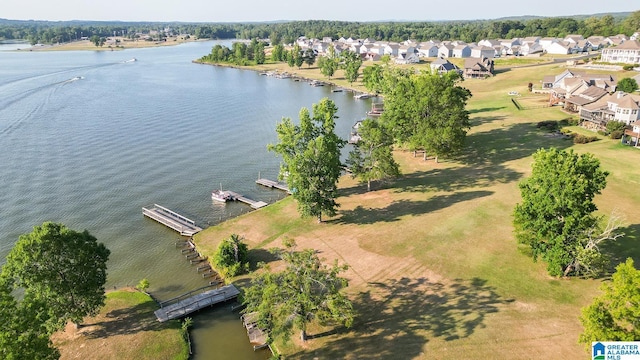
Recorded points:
(238, 197)
(172, 219)
(273, 184)
(257, 336)
(194, 302)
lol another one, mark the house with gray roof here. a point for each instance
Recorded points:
(427, 49)
(619, 106)
(441, 66)
(478, 68)
(445, 51)
(483, 52)
(627, 52)
(461, 51)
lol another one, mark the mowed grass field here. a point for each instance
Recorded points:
(125, 328)
(435, 271)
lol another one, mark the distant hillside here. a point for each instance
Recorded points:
(616, 15)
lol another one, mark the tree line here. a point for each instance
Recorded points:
(287, 32)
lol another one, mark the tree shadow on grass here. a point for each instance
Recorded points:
(257, 256)
(626, 247)
(127, 321)
(507, 143)
(475, 111)
(457, 178)
(398, 209)
(396, 319)
(479, 120)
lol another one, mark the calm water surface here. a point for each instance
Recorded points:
(88, 139)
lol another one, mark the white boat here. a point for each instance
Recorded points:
(362, 96)
(130, 60)
(354, 137)
(221, 196)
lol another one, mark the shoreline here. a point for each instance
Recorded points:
(301, 74)
(87, 45)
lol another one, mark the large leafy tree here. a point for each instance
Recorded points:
(259, 55)
(372, 157)
(351, 63)
(555, 218)
(427, 111)
(309, 57)
(628, 85)
(305, 291)
(372, 77)
(231, 257)
(615, 315)
(278, 53)
(328, 64)
(311, 158)
(59, 267)
(23, 334)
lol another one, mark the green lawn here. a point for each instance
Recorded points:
(435, 271)
(125, 328)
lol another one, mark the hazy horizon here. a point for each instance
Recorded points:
(260, 11)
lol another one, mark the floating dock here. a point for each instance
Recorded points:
(227, 195)
(195, 302)
(257, 336)
(273, 184)
(172, 219)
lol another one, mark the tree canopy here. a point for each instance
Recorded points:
(427, 111)
(231, 257)
(61, 273)
(287, 32)
(372, 157)
(615, 315)
(351, 63)
(311, 158)
(305, 291)
(628, 85)
(555, 218)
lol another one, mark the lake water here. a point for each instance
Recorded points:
(88, 139)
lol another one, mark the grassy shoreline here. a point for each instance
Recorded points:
(435, 271)
(125, 328)
(86, 45)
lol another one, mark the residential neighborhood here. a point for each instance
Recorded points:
(478, 56)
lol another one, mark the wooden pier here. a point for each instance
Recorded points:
(234, 196)
(195, 302)
(172, 219)
(273, 184)
(257, 336)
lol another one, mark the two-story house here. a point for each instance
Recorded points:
(628, 52)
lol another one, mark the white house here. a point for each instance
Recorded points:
(625, 107)
(427, 49)
(627, 52)
(558, 48)
(445, 51)
(461, 51)
(483, 52)
(528, 48)
(547, 41)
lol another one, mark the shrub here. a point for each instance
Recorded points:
(616, 134)
(549, 125)
(614, 125)
(231, 257)
(582, 139)
(143, 285)
(628, 67)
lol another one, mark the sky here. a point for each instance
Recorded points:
(271, 10)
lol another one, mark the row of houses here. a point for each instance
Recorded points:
(411, 52)
(595, 99)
